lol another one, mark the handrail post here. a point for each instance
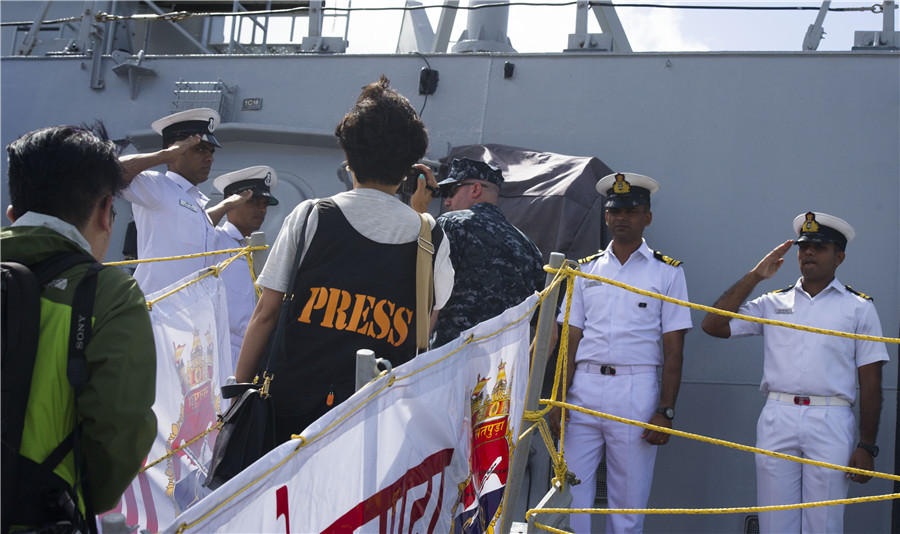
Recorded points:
(546, 321)
(258, 239)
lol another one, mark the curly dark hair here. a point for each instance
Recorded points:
(63, 171)
(382, 135)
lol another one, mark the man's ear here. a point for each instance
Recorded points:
(104, 214)
(839, 257)
(11, 214)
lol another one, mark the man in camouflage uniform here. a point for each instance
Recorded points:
(496, 265)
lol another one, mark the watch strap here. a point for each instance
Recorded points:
(871, 449)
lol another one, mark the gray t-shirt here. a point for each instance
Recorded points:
(376, 215)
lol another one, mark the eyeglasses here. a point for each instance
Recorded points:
(456, 187)
(112, 214)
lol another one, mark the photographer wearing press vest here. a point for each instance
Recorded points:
(356, 286)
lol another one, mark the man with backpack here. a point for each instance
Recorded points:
(77, 345)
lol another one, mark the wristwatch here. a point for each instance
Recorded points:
(669, 413)
(871, 449)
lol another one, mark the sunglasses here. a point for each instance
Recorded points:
(456, 187)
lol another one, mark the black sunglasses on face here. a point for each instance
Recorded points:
(455, 187)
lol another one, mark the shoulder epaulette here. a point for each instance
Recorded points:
(785, 290)
(665, 259)
(858, 294)
(591, 258)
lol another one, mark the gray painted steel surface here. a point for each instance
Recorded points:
(740, 142)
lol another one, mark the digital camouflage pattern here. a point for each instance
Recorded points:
(470, 169)
(496, 266)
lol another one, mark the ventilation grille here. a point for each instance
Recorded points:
(214, 95)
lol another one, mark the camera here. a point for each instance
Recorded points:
(411, 183)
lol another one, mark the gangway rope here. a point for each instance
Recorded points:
(568, 273)
(702, 511)
(212, 270)
(715, 441)
(189, 256)
(718, 311)
(558, 456)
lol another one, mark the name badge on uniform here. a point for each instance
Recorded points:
(592, 283)
(187, 205)
(784, 311)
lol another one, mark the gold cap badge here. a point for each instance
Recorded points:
(621, 186)
(810, 224)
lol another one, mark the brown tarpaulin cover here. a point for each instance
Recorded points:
(550, 197)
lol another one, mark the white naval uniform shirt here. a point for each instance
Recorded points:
(238, 287)
(805, 363)
(171, 221)
(622, 327)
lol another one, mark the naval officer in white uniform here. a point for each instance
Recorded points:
(250, 191)
(613, 356)
(169, 208)
(810, 379)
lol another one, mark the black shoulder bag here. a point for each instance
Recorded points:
(248, 426)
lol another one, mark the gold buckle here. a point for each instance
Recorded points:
(264, 390)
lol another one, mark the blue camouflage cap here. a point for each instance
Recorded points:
(470, 169)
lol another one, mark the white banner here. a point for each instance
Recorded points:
(190, 329)
(425, 448)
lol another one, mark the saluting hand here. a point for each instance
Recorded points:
(237, 199)
(179, 147)
(768, 266)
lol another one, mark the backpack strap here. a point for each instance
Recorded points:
(80, 332)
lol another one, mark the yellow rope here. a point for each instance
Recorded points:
(562, 362)
(184, 526)
(705, 511)
(471, 339)
(188, 256)
(303, 441)
(715, 441)
(253, 275)
(558, 457)
(717, 311)
(176, 449)
(213, 270)
(566, 272)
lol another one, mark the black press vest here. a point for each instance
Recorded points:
(350, 293)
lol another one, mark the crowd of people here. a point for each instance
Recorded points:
(625, 350)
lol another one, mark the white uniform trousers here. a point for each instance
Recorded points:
(629, 459)
(823, 433)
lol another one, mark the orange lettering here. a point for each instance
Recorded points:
(316, 301)
(401, 327)
(357, 312)
(333, 295)
(366, 326)
(382, 318)
(341, 320)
